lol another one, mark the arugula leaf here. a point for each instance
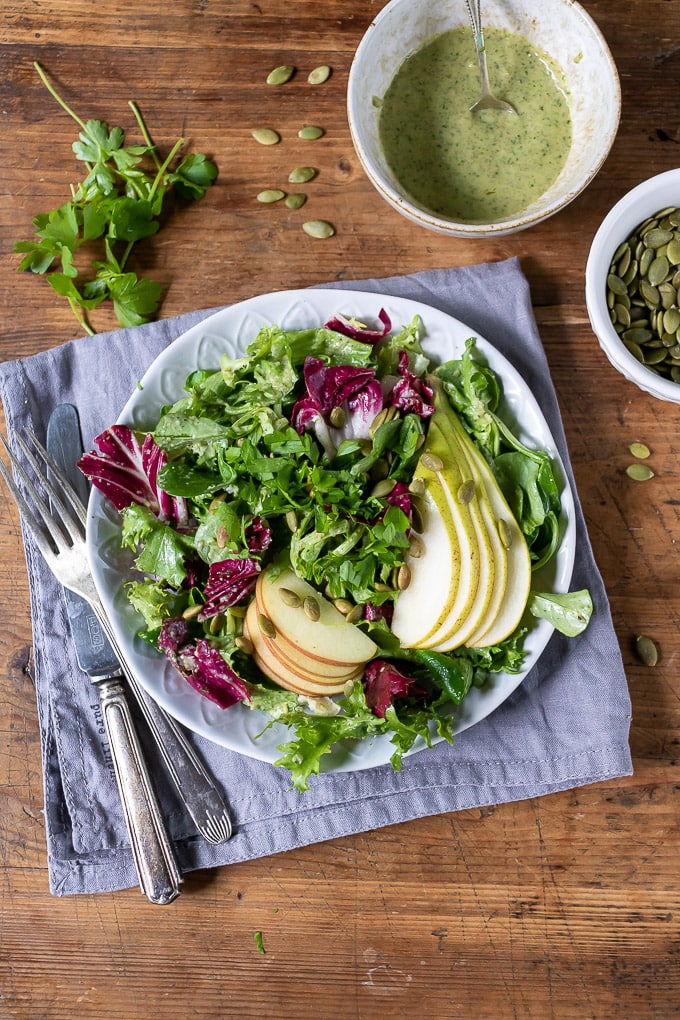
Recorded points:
(569, 614)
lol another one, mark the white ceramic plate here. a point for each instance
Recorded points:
(230, 331)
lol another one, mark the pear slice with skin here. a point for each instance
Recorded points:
(444, 577)
(499, 624)
(456, 630)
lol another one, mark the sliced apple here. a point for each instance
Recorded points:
(330, 638)
(281, 674)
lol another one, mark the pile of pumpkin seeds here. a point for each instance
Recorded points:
(302, 174)
(643, 288)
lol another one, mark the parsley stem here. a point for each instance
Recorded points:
(84, 324)
(164, 166)
(145, 132)
(55, 95)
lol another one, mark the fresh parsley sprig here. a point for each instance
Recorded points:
(118, 203)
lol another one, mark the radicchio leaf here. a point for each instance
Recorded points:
(354, 389)
(208, 673)
(340, 324)
(410, 393)
(229, 582)
(384, 684)
(125, 471)
(201, 665)
(258, 535)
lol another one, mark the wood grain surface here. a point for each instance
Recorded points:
(562, 907)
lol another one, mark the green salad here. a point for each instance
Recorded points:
(291, 481)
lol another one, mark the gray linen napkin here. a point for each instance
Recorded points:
(565, 726)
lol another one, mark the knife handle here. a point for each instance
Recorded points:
(157, 868)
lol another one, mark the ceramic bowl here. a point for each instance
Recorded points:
(560, 28)
(652, 196)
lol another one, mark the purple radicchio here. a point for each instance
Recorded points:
(258, 535)
(349, 327)
(201, 665)
(409, 392)
(126, 472)
(355, 390)
(384, 684)
(229, 582)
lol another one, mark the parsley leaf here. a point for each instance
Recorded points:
(119, 203)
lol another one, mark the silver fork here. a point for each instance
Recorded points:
(195, 786)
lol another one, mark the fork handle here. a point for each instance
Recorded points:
(157, 868)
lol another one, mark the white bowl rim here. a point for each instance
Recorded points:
(611, 232)
(518, 221)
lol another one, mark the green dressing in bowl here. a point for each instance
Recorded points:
(475, 167)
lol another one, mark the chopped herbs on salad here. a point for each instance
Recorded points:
(278, 510)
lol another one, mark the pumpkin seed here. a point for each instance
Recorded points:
(270, 195)
(639, 450)
(266, 626)
(639, 472)
(318, 228)
(311, 607)
(319, 75)
(302, 174)
(355, 614)
(192, 611)
(280, 75)
(343, 606)
(310, 132)
(296, 200)
(417, 487)
(337, 417)
(657, 237)
(290, 598)
(504, 532)
(466, 491)
(266, 136)
(431, 461)
(292, 520)
(383, 488)
(658, 270)
(403, 577)
(673, 251)
(244, 644)
(416, 547)
(646, 650)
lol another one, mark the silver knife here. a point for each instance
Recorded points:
(157, 868)
(194, 785)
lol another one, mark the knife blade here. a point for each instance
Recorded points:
(196, 787)
(157, 868)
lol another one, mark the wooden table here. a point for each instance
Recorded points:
(561, 907)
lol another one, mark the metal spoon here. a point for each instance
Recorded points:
(487, 100)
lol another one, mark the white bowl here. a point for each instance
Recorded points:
(647, 198)
(560, 28)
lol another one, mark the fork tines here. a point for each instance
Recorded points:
(53, 527)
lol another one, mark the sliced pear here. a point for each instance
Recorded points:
(457, 629)
(498, 625)
(444, 578)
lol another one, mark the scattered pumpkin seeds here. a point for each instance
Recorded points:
(266, 136)
(296, 200)
(270, 195)
(643, 292)
(319, 75)
(302, 174)
(280, 75)
(646, 650)
(431, 461)
(639, 472)
(639, 450)
(310, 132)
(466, 491)
(318, 228)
